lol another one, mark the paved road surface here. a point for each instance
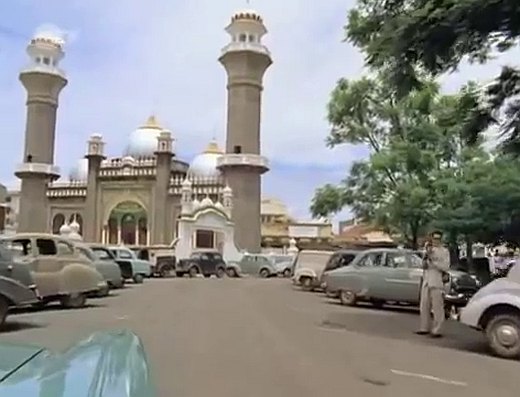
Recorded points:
(259, 338)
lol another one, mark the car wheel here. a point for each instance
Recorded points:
(503, 334)
(264, 273)
(232, 273)
(306, 283)
(164, 272)
(138, 279)
(105, 291)
(74, 301)
(221, 273)
(347, 298)
(287, 273)
(193, 272)
(4, 308)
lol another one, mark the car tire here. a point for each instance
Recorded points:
(164, 272)
(138, 279)
(347, 298)
(264, 273)
(232, 273)
(287, 273)
(193, 272)
(74, 301)
(503, 334)
(221, 273)
(306, 283)
(4, 309)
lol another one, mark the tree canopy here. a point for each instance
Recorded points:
(410, 39)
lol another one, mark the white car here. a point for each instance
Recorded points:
(495, 309)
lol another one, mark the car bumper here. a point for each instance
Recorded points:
(458, 299)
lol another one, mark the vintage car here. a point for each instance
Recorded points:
(283, 264)
(132, 268)
(107, 267)
(253, 265)
(338, 260)
(206, 263)
(308, 268)
(17, 287)
(57, 273)
(110, 363)
(392, 275)
(162, 258)
(495, 310)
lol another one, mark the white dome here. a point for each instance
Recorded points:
(206, 202)
(65, 229)
(204, 165)
(80, 171)
(143, 141)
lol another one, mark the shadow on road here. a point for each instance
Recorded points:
(401, 323)
(55, 308)
(14, 326)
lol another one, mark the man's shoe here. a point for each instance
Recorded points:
(436, 336)
(422, 332)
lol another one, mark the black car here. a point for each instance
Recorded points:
(207, 263)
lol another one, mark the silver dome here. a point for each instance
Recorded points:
(143, 141)
(204, 165)
(80, 171)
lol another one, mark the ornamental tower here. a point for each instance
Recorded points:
(246, 60)
(43, 80)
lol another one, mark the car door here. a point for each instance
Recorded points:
(46, 267)
(206, 264)
(247, 264)
(402, 278)
(370, 271)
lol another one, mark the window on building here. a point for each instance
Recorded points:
(237, 149)
(242, 38)
(204, 239)
(251, 38)
(46, 61)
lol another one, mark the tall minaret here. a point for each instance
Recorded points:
(43, 80)
(245, 59)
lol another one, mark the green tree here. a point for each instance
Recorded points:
(409, 38)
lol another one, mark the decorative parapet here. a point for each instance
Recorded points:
(119, 162)
(200, 186)
(37, 168)
(240, 46)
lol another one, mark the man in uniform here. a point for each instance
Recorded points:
(436, 263)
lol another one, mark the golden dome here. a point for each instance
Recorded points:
(213, 148)
(152, 123)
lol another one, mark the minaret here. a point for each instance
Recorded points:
(161, 220)
(95, 156)
(43, 80)
(245, 59)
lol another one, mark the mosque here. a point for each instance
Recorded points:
(148, 195)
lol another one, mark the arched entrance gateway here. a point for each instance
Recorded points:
(127, 224)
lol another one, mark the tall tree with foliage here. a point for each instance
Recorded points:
(409, 38)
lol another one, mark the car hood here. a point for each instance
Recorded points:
(105, 364)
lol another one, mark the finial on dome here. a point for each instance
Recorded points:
(213, 148)
(152, 123)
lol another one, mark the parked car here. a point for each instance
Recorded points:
(253, 264)
(17, 287)
(162, 258)
(308, 268)
(338, 260)
(207, 263)
(131, 267)
(392, 275)
(283, 264)
(110, 363)
(495, 310)
(56, 271)
(107, 267)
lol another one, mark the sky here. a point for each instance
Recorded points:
(127, 59)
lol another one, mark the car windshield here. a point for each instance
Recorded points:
(88, 253)
(125, 254)
(101, 253)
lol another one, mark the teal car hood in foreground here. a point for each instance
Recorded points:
(105, 364)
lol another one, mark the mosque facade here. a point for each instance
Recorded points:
(148, 195)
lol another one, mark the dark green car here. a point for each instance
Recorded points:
(17, 287)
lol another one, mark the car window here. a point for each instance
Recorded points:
(85, 254)
(345, 259)
(249, 258)
(371, 260)
(46, 246)
(217, 257)
(397, 260)
(124, 254)
(416, 261)
(333, 262)
(194, 256)
(19, 247)
(204, 257)
(64, 248)
(101, 253)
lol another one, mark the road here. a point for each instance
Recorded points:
(258, 338)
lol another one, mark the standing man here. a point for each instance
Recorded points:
(436, 263)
